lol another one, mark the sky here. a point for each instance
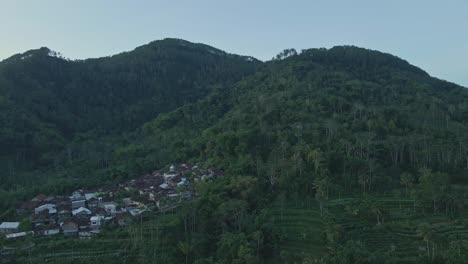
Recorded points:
(430, 34)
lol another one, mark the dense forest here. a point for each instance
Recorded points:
(48, 102)
(360, 154)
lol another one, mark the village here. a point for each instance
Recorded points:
(86, 211)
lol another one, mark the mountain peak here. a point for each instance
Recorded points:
(353, 56)
(181, 43)
(180, 48)
(40, 52)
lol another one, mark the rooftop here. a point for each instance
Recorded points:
(9, 225)
(16, 235)
(81, 210)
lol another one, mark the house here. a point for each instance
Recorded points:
(75, 204)
(82, 211)
(168, 176)
(9, 227)
(98, 211)
(93, 202)
(43, 218)
(70, 228)
(63, 215)
(50, 199)
(96, 222)
(78, 199)
(88, 196)
(17, 235)
(109, 207)
(77, 195)
(39, 198)
(172, 182)
(26, 207)
(183, 182)
(51, 209)
(82, 222)
(48, 230)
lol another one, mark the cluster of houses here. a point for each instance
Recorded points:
(86, 211)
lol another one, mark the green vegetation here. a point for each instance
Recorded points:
(343, 155)
(56, 113)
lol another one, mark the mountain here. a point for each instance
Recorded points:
(341, 155)
(331, 155)
(47, 101)
(356, 105)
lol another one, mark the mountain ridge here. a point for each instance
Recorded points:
(186, 43)
(101, 91)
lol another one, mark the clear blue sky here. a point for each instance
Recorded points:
(430, 34)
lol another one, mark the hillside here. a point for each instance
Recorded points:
(48, 101)
(376, 115)
(322, 125)
(341, 155)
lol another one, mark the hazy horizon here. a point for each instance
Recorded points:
(427, 34)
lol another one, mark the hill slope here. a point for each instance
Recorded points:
(363, 110)
(303, 131)
(47, 101)
(319, 126)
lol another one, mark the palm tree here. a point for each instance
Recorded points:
(185, 247)
(375, 209)
(363, 180)
(317, 157)
(426, 233)
(407, 181)
(320, 186)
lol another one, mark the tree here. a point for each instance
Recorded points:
(186, 248)
(433, 185)
(426, 233)
(407, 181)
(285, 53)
(316, 156)
(320, 186)
(235, 248)
(363, 180)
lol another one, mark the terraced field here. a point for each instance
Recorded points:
(119, 244)
(398, 233)
(301, 230)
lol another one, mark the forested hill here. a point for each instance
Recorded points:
(330, 155)
(361, 116)
(367, 114)
(47, 100)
